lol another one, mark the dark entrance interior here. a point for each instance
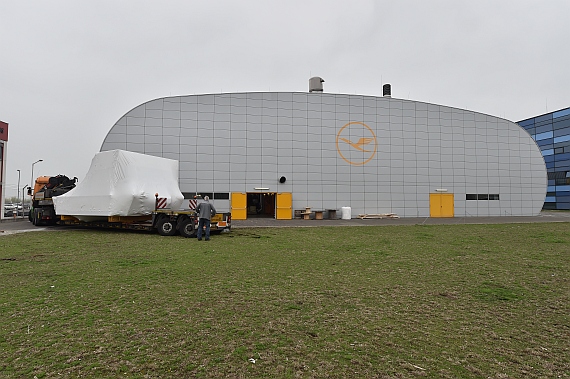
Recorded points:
(261, 204)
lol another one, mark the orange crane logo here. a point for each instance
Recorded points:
(359, 145)
(356, 153)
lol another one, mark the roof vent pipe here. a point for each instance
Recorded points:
(316, 84)
(387, 90)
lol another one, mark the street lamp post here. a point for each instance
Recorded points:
(18, 188)
(32, 181)
(23, 192)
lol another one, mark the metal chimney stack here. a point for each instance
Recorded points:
(316, 84)
(387, 90)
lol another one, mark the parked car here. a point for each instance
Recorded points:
(9, 210)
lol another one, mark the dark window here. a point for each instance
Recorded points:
(527, 123)
(562, 181)
(561, 132)
(545, 143)
(200, 195)
(563, 157)
(561, 124)
(565, 144)
(556, 175)
(544, 118)
(561, 113)
(563, 166)
(481, 196)
(544, 129)
(544, 123)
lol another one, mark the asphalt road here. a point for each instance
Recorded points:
(11, 226)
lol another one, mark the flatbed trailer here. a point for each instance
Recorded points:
(165, 222)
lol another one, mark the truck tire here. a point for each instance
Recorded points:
(36, 218)
(166, 227)
(186, 228)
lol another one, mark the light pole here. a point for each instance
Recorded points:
(32, 181)
(23, 189)
(19, 186)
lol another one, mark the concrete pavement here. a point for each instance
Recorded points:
(18, 225)
(10, 226)
(544, 216)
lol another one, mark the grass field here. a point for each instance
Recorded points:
(461, 301)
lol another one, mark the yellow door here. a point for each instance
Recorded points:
(284, 205)
(239, 206)
(441, 205)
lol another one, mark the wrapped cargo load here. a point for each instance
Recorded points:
(122, 183)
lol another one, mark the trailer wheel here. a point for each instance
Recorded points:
(187, 228)
(166, 227)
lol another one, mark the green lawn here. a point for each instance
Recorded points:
(449, 301)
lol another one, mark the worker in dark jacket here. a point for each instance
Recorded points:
(205, 211)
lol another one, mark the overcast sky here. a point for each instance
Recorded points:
(70, 69)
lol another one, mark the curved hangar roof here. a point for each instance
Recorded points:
(375, 154)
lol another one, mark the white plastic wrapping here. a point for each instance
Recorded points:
(122, 183)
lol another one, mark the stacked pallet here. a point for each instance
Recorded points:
(381, 215)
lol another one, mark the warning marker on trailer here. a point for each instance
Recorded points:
(161, 203)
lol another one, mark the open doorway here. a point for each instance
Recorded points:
(261, 204)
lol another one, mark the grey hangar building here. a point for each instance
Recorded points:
(274, 154)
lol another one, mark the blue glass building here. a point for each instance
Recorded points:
(551, 131)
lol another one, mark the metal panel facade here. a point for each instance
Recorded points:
(374, 154)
